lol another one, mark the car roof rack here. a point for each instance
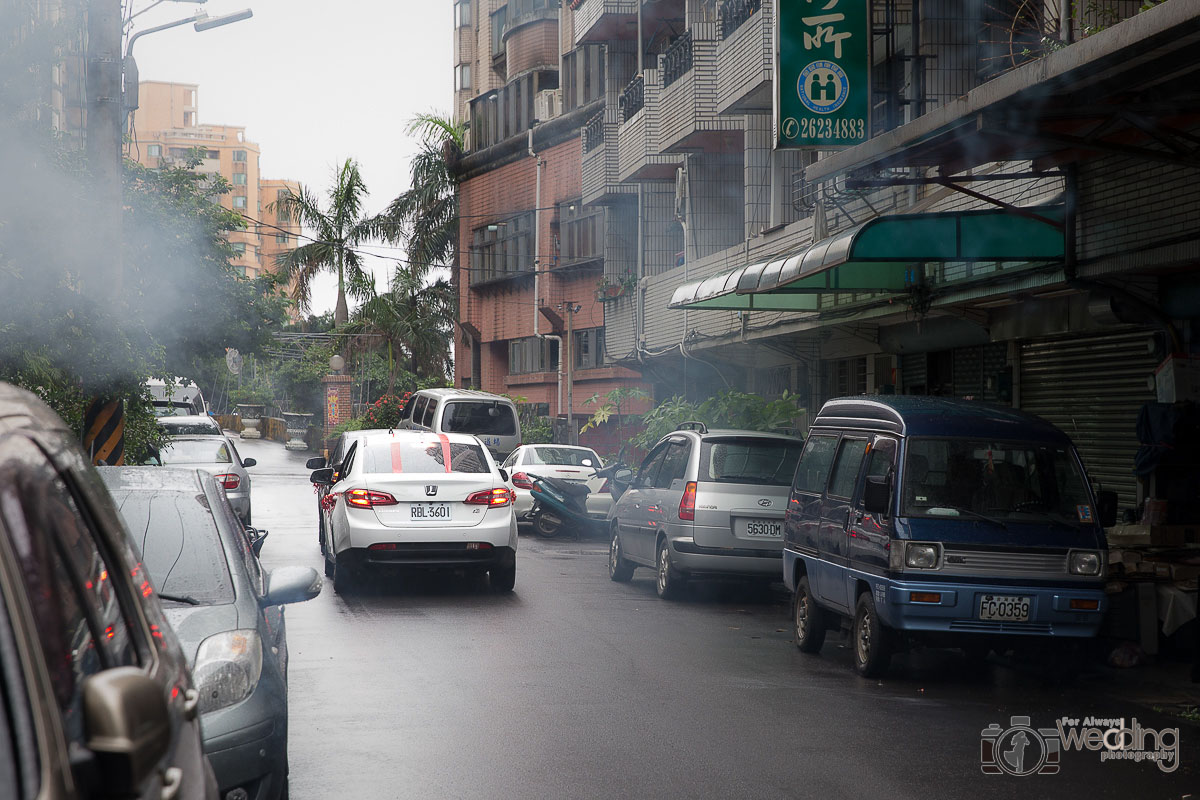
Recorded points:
(692, 425)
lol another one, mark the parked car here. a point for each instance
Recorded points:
(705, 503)
(180, 397)
(218, 456)
(565, 462)
(411, 499)
(324, 503)
(224, 608)
(945, 521)
(491, 417)
(97, 696)
(190, 425)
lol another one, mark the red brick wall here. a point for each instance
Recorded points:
(532, 45)
(337, 405)
(505, 312)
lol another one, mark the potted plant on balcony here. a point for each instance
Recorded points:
(610, 287)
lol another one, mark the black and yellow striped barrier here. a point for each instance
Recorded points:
(104, 432)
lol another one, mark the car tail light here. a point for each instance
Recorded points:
(229, 480)
(687, 505)
(365, 498)
(521, 481)
(490, 497)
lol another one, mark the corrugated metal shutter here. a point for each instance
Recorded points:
(1092, 387)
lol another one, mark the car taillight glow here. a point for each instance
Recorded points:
(687, 505)
(366, 498)
(490, 497)
(521, 481)
(229, 480)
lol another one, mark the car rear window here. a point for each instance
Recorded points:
(561, 456)
(177, 537)
(480, 417)
(192, 451)
(189, 428)
(425, 456)
(769, 462)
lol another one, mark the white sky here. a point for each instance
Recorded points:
(314, 82)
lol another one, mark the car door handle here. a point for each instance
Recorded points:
(172, 779)
(191, 702)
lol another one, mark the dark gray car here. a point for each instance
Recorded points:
(225, 611)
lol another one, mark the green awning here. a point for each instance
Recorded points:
(884, 254)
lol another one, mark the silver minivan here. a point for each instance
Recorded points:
(705, 503)
(491, 417)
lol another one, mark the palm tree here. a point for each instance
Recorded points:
(425, 217)
(416, 318)
(339, 229)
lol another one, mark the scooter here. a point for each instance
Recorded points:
(557, 502)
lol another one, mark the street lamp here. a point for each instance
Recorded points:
(201, 22)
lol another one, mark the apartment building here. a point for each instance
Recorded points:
(537, 262)
(1019, 222)
(167, 130)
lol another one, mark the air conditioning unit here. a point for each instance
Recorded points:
(547, 105)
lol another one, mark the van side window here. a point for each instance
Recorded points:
(813, 469)
(674, 466)
(845, 471)
(418, 412)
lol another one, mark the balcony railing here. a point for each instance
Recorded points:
(633, 98)
(678, 59)
(593, 132)
(735, 12)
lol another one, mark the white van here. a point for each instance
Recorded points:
(491, 417)
(179, 398)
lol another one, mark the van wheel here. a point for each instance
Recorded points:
(619, 569)
(808, 619)
(872, 650)
(670, 581)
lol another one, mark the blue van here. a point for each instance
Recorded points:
(945, 520)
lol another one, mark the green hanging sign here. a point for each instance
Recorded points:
(822, 73)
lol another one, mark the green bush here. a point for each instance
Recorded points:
(728, 409)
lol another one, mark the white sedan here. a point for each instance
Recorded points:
(562, 461)
(419, 500)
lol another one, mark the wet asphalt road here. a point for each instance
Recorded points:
(577, 687)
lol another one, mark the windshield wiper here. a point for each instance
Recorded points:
(179, 598)
(971, 513)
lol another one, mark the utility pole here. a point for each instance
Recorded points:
(104, 420)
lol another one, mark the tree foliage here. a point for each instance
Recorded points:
(728, 409)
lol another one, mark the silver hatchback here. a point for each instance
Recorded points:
(705, 503)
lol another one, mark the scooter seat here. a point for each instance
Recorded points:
(568, 488)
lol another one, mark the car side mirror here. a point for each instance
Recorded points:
(249, 462)
(316, 462)
(877, 494)
(621, 480)
(128, 727)
(322, 477)
(257, 537)
(504, 475)
(291, 585)
(1106, 511)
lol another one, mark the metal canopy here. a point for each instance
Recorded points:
(881, 255)
(1130, 89)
